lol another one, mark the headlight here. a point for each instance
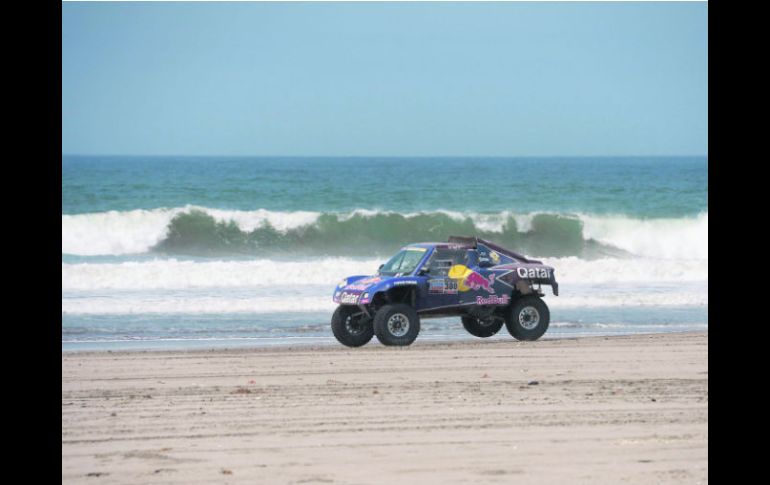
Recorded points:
(366, 296)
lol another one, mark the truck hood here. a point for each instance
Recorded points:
(360, 289)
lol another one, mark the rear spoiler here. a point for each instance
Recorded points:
(473, 242)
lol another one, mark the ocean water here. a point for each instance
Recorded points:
(177, 252)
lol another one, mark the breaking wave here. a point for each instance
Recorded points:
(203, 231)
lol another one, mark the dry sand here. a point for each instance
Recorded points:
(617, 410)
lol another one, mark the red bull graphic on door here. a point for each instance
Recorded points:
(475, 281)
(468, 279)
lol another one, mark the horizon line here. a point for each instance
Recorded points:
(375, 156)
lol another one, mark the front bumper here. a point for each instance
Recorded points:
(351, 298)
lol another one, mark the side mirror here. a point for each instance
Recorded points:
(383, 264)
(423, 271)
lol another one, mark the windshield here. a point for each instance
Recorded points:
(404, 262)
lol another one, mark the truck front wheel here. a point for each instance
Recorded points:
(396, 324)
(351, 326)
(528, 319)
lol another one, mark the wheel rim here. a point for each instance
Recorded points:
(398, 324)
(354, 325)
(529, 317)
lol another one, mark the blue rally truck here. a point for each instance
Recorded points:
(484, 284)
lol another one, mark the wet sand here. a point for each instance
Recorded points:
(623, 409)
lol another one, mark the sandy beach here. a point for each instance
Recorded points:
(624, 409)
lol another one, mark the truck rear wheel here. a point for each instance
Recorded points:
(351, 326)
(396, 324)
(482, 327)
(528, 318)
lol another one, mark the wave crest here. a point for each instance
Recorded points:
(212, 232)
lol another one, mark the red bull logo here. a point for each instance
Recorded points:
(467, 279)
(475, 281)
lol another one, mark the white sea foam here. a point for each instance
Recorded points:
(614, 270)
(270, 286)
(216, 304)
(667, 238)
(136, 231)
(630, 299)
(114, 232)
(197, 305)
(175, 274)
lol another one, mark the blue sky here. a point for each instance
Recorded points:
(392, 79)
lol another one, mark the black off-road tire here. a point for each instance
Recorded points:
(528, 318)
(351, 326)
(480, 328)
(396, 324)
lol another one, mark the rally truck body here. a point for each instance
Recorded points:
(485, 284)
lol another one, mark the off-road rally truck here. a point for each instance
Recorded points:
(482, 283)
